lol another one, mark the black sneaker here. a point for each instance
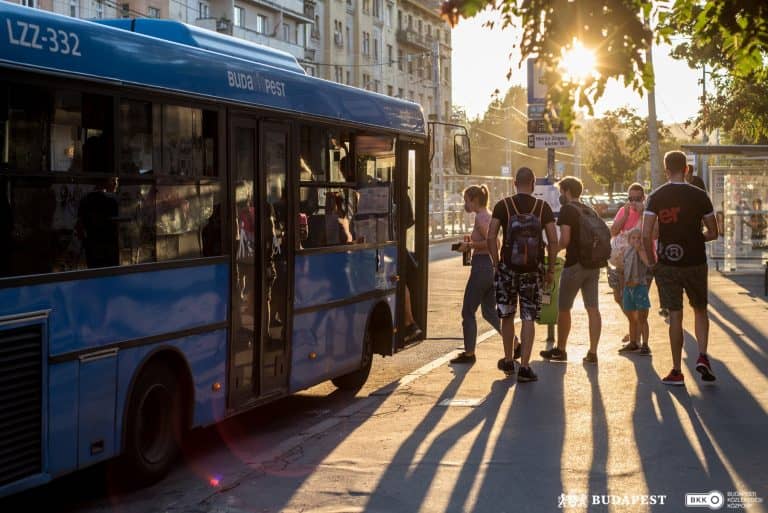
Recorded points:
(703, 367)
(590, 358)
(645, 350)
(555, 355)
(412, 333)
(506, 367)
(629, 347)
(464, 358)
(526, 374)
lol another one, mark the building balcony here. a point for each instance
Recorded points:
(262, 39)
(412, 38)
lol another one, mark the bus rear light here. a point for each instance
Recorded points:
(313, 355)
(216, 387)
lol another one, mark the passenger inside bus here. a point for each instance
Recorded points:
(97, 218)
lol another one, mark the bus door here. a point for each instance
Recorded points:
(412, 218)
(258, 346)
(274, 248)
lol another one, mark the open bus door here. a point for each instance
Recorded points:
(413, 250)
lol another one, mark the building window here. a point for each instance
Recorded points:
(239, 16)
(375, 50)
(74, 8)
(301, 36)
(437, 34)
(399, 92)
(366, 6)
(204, 10)
(29, 3)
(366, 43)
(400, 59)
(338, 72)
(310, 70)
(349, 78)
(338, 37)
(410, 65)
(261, 24)
(389, 55)
(388, 16)
(410, 22)
(390, 90)
(286, 32)
(153, 12)
(420, 27)
(410, 95)
(349, 38)
(99, 8)
(366, 81)
(316, 28)
(399, 19)
(376, 85)
(377, 9)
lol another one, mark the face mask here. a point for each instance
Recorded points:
(563, 199)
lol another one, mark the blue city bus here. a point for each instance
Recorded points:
(190, 227)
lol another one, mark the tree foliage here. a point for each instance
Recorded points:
(619, 146)
(733, 35)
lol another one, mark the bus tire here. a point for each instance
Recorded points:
(356, 379)
(154, 425)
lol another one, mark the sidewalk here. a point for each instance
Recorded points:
(610, 430)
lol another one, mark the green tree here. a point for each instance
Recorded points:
(616, 30)
(609, 159)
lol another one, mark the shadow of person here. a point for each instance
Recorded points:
(97, 217)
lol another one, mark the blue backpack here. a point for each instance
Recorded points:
(523, 241)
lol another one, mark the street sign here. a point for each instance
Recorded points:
(536, 110)
(548, 141)
(539, 126)
(506, 171)
(537, 89)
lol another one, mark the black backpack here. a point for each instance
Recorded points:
(523, 242)
(594, 238)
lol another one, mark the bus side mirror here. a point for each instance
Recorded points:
(462, 155)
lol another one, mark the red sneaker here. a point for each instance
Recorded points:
(703, 368)
(674, 378)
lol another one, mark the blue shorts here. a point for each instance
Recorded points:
(636, 298)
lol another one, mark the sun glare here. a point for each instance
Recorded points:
(577, 63)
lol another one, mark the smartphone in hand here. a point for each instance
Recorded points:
(456, 246)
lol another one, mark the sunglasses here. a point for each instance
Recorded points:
(635, 198)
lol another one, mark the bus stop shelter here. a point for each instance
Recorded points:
(737, 180)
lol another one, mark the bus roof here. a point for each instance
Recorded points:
(171, 56)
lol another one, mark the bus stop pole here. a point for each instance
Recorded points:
(551, 179)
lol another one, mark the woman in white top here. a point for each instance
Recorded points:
(479, 291)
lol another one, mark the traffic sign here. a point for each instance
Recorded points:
(548, 141)
(536, 110)
(537, 88)
(539, 126)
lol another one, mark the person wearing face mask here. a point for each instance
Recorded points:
(479, 291)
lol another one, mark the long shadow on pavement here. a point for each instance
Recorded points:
(524, 471)
(745, 327)
(598, 473)
(405, 482)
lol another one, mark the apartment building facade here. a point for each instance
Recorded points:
(400, 48)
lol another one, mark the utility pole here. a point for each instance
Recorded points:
(438, 173)
(653, 131)
(703, 168)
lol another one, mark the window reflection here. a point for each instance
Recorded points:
(63, 207)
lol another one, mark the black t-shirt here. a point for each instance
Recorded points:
(698, 182)
(680, 208)
(524, 204)
(569, 216)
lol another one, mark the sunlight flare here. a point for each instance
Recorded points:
(577, 63)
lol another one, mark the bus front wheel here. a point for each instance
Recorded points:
(153, 425)
(356, 379)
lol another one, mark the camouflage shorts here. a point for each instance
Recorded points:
(513, 287)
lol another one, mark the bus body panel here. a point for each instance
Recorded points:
(90, 313)
(26, 40)
(96, 337)
(336, 276)
(333, 337)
